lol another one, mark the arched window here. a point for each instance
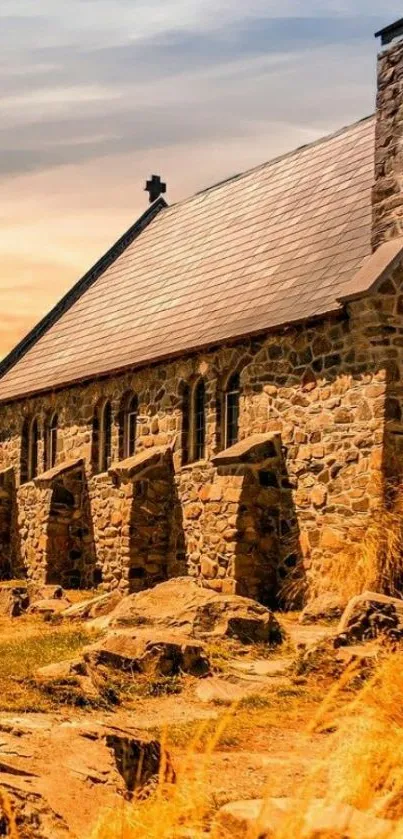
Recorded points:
(105, 437)
(51, 442)
(130, 426)
(199, 421)
(231, 413)
(185, 428)
(33, 442)
(102, 437)
(24, 468)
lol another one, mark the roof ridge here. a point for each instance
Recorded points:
(326, 138)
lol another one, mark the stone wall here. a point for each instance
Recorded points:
(240, 525)
(33, 505)
(7, 512)
(323, 387)
(387, 197)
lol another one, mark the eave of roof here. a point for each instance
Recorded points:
(231, 340)
(374, 270)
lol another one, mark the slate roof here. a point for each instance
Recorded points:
(274, 245)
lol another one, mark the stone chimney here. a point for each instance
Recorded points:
(387, 194)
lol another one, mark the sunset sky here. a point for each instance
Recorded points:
(97, 94)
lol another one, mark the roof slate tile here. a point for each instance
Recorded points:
(268, 247)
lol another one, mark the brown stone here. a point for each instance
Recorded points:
(208, 567)
(150, 651)
(269, 817)
(342, 415)
(181, 604)
(102, 765)
(192, 511)
(332, 539)
(319, 495)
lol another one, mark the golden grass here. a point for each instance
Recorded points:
(371, 561)
(366, 769)
(364, 766)
(174, 810)
(374, 563)
(21, 655)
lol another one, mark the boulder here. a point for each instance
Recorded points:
(289, 816)
(14, 601)
(182, 605)
(48, 607)
(45, 592)
(326, 607)
(370, 615)
(61, 775)
(327, 657)
(150, 652)
(94, 607)
(74, 682)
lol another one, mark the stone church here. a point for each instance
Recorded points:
(221, 395)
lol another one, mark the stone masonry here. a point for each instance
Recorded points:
(387, 202)
(328, 391)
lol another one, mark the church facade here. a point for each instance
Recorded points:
(222, 394)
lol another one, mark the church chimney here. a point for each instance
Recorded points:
(387, 194)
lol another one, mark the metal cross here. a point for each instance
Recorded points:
(155, 187)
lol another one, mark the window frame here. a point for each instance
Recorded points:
(186, 423)
(105, 437)
(199, 429)
(232, 390)
(130, 420)
(51, 437)
(33, 449)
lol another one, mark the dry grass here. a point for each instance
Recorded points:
(287, 707)
(364, 765)
(375, 563)
(367, 766)
(371, 561)
(22, 653)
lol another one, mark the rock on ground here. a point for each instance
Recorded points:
(14, 601)
(326, 607)
(45, 592)
(148, 651)
(61, 777)
(327, 658)
(94, 607)
(369, 615)
(243, 819)
(49, 606)
(75, 682)
(181, 604)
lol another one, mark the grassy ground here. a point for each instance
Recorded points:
(250, 720)
(310, 734)
(362, 765)
(27, 644)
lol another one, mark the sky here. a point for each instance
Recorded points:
(98, 94)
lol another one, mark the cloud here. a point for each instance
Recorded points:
(80, 100)
(96, 94)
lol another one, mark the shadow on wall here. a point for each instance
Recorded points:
(267, 560)
(70, 548)
(152, 541)
(8, 516)
(157, 545)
